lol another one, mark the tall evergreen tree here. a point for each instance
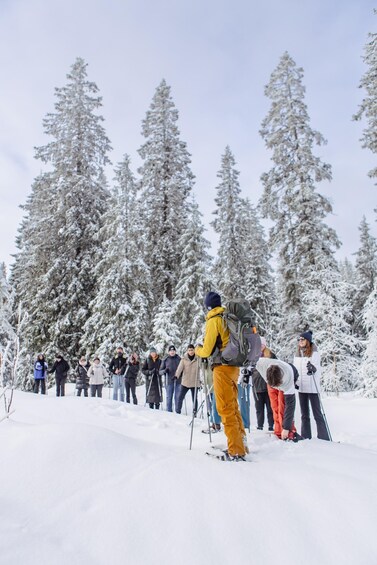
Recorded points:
(369, 361)
(368, 107)
(229, 269)
(366, 273)
(329, 309)
(299, 234)
(165, 330)
(58, 238)
(193, 279)
(7, 333)
(166, 183)
(120, 308)
(255, 255)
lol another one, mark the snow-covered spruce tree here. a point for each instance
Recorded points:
(166, 183)
(299, 234)
(229, 269)
(120, 313)
(329, 309)
(347, 271)
(368, 107)
(165, 331)
(366, 273)
(58, 238)
(193, 278)
(255, 254)
(7, 333)
(369, 361)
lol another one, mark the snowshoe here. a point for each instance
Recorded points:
(225, 456)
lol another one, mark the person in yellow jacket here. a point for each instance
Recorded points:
(224, 377)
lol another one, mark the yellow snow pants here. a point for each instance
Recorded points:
(226, 393)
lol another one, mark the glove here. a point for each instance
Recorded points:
(311, 369)
(245, 377)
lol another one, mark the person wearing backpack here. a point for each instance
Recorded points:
(225, 377)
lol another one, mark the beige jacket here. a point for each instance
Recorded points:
(190, 371)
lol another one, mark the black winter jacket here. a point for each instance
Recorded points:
(118, 363)
(153, 381)
(61, 368)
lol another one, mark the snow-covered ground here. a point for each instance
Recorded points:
(96, 482)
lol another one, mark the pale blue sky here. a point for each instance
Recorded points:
(217, 56)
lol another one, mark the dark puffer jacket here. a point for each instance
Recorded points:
(82, 379)
(153, 381)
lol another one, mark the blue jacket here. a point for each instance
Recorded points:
(39, 370)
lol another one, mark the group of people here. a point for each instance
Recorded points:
(227, 388)
(280, 379)
(91, 377)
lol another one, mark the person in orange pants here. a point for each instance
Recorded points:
(224, 377)
(279, 377)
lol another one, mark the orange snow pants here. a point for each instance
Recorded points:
(226, 393)
(278, 406)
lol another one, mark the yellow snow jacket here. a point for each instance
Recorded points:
(216, 334)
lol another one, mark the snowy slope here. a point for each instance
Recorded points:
(92, 481)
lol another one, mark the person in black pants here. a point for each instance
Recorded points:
(260, 393)
(130, 375)
(60, 368)
(308, 364)
(153, 380)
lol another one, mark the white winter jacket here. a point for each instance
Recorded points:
(305, 382)
(97, 374)
(288, 385)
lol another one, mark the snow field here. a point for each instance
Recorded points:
(93, 482)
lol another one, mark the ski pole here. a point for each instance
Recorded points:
(148, 391)
(322, 409)
(194, 404)
(160, 391)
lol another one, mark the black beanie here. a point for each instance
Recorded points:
(212, 300)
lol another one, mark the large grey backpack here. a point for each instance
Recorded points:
(244, 346)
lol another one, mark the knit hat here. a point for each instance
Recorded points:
(153, 350)
(212, 300)
(171, 348)
(307, 335)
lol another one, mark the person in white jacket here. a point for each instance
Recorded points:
(279, 377)
(97, 373)
(308, 364)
